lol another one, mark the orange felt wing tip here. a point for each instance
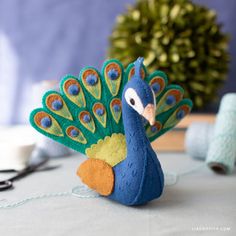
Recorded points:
(97, 175)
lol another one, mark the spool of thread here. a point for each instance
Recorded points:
(221, 155)
(16, 146)
(197, 139)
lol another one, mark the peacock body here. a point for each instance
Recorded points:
(104, 116)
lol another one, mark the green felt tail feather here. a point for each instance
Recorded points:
(169, 119)
(83, 112)
(171, 108)
(112, 93)
(88, 109)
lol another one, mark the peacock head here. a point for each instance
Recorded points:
(139, 95)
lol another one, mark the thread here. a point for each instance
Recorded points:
(172, 178)
(198, 138)
(221, 155)
(80, 191)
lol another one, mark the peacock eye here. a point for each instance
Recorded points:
(132, 102)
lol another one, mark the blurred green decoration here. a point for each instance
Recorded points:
(176, 36)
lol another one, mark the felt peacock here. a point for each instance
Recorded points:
(105, 116)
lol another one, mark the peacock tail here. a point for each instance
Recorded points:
(86, 114)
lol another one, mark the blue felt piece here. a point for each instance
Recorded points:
(170, 100)
(86, 118)
(73, 90)
(46, 122)
(91, 80)
(137, 66)
(113, 74)
(74, 133)
(156, 87)
(180, 114)
(57, 105)
(153, 129)
(99, 111)
(116, 108)
(139, 178)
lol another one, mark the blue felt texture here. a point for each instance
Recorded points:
(74, 133)
(86, 118)
(99, 111)
(139, 178)
(46, 122)
(116, 108)
(156, 87)
(73, 90)
(57, 105)
(113, 74)
(91, 80)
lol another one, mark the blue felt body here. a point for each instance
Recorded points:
(139, 178)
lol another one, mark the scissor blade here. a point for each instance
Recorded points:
(28, 170)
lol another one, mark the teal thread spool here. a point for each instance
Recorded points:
(198, 138)
(221, 155)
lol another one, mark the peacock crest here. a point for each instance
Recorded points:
(86, 115)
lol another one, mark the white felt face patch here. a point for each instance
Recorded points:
(133, 100)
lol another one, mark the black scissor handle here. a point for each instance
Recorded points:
(4, 185)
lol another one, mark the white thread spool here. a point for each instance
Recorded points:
(198, 138)
(16, 145)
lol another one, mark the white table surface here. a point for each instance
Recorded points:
(199, 201)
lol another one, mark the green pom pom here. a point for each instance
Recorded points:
(176, 36)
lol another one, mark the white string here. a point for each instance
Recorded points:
(81, 191)
(172, 178)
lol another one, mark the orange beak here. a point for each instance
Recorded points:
(149, 113)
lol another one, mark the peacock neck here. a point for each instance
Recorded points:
(134, 130)
(139, 178)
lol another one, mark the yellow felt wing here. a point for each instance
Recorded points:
(112, 149)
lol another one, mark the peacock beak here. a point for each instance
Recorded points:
(149, 113)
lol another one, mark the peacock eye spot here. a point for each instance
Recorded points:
(132, 102)
(156, 87)
(74, 133)
(116, 108)
(46, 122)
(86, 118)
(180, 114)
(99, 111)
(57, 105)
(113, 74)
(73, 90)
(170, 100)
(91, 79)
(153, 129)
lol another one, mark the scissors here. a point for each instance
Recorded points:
(8, 183)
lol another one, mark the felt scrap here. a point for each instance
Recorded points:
(98, 175)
